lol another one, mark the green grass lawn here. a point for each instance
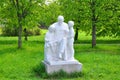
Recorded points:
(100, 63)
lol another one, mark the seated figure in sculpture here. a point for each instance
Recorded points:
(50, 44)
(70, 41)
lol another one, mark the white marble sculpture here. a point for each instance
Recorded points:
(61, 33)
(59, 51)
(70, 41)
(50, 44)
(56, 40)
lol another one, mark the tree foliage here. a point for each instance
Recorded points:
(20, 13)
(107, 15)
(49, 13)
(101, 18)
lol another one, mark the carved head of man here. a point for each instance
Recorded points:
(60, 19)
(70, 24)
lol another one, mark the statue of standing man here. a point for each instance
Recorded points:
(61, 33)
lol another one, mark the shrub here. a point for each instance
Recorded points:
(9, 31)
(33, 31)
(13, 31)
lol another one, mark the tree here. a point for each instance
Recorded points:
(49, 13)
(110, 19)
(95, 17)
(74, 10)
(21, 13)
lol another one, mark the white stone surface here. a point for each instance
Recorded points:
(67, 66)
(50, 44)
(70, 41)
(58, 49)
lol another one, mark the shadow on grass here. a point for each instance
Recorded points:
(40, 72)
(98, 41)
(7, 42)
(104, 48)
(8, 50)
(36, 42)
(3, 42)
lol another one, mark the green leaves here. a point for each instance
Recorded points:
(35, 12)
(107, 15)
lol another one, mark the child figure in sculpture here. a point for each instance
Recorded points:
(50, 44)
(70, 41)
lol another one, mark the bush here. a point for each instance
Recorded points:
(33, 31)
(0, 30)
(10, 31)
(13, 31)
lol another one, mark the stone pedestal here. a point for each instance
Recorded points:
(67, 66)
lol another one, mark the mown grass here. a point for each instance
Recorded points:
(99, 63)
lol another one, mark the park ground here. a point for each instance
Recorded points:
(99, 63)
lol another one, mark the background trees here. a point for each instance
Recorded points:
(20, 14)
(96, 17)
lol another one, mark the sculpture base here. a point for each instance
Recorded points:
(67, 66)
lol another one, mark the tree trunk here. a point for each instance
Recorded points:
(93, 18)
(20, 36)
(93, 36)
(25, 34)
(19, 17)
(76, 34)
